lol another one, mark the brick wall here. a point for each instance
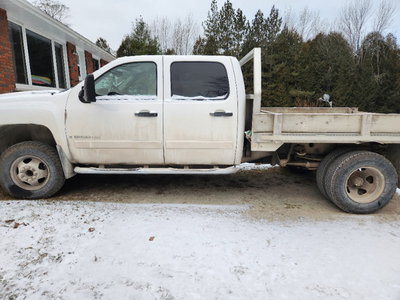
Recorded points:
(7, 77)
(103, 63)
(72, 64)
(89, 62)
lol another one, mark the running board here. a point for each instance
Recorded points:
(148, 171)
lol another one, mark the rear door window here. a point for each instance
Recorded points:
(199, 81)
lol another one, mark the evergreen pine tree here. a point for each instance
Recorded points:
(102, 43)
(239, 32)
(378, 74)
(328, 68)
(272, 26)
(211, 31)
(226, 25)
(256, 33)
(139, 41)
(283, 79)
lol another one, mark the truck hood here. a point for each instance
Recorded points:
(26, 97)
(45, 108)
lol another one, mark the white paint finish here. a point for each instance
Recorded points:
(192, 135)
(255, 56)
(276, 126)
(46, 108)
(96, 130)
(366, 124)
(241, 108)
(381, 123)
(120, 144)
(279, 123)
(109, 132)
(198, 145)
(323, 121)
(303, 110)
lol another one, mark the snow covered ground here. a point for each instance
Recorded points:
(93, 250)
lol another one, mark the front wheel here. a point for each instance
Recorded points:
(361, 182)
(31, 170)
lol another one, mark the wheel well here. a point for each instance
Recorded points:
(14, 134)
(309, 155)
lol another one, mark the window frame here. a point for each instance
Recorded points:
(151, 97)
(29, 85)
(200, 98)
(63, 64)
(95, 58)
(41, 61)
(14, 56)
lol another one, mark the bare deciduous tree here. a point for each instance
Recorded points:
(161, 29)
(54, 9)
(185, 35)
(304, 21)
(353, 19)
(289, 19)
(307, 24)
(178, 37)
(384, 16)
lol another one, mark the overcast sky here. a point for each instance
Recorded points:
(112, 19)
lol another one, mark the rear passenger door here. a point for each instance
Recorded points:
(200, 111)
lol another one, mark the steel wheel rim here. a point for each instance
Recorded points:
(29, 172)
(365, 185)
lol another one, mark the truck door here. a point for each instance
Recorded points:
(200, 112)
(124, 125)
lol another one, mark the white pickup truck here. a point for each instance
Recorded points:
(190, 115)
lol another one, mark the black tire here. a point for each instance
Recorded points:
(361, 182)
(31, 170)
(324, 166)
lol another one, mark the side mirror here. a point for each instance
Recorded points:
(88, 94)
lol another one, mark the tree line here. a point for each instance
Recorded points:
(355, 60)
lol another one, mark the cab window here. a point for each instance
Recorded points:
(135, 79)
(199, 81)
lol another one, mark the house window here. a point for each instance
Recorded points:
(18, 53)
(79, 65)
(38, 61)
(199, 81)
(41, 59)
(96, 64)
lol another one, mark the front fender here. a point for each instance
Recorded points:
(41, 108)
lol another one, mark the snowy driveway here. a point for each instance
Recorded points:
(71, 249)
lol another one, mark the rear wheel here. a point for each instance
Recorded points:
(324, 166)
(361, 182)
(31, 170)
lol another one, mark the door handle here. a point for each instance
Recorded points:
(221, 113)
(146, 113)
